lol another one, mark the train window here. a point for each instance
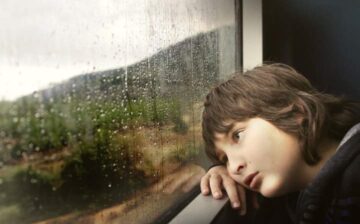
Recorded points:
(100, 105)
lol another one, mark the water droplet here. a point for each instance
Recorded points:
(109, 185)
(33, 180)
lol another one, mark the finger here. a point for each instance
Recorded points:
(232, 192)
(204, 185)
(242, 193)
(215, 186)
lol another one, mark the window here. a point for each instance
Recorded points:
(101, 104)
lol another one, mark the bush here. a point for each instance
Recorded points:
(102, 171)
(33, 189)
(185, 153)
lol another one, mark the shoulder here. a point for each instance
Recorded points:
(345, 205)
(349, 181)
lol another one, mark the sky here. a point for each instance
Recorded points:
(44, 42)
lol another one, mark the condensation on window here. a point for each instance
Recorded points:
(100, 105)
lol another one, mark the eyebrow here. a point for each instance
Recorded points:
(228, 129)
(232, 127)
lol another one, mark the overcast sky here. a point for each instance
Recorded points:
(43, 42)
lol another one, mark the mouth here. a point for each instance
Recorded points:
(249, 179)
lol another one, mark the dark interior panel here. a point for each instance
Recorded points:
(319, 38)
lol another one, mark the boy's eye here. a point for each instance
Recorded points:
(238, 136)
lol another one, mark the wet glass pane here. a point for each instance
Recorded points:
(100, 105)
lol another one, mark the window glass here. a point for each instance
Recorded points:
(100, 105)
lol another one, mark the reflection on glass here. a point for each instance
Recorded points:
(117, 143)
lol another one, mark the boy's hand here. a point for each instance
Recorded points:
(216, 179)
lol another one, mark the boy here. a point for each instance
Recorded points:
(274, 134)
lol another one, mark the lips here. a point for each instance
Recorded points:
(249, 178)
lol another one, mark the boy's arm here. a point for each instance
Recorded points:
(216, 179)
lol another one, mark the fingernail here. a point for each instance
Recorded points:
(217, 194)
(236, 205)
(206, 191)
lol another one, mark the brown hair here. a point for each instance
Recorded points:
(280, 95)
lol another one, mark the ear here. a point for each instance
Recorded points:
(299, 118)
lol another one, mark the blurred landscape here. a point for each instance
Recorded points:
(96, 140)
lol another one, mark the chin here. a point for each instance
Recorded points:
(269, 194)
(271, 191)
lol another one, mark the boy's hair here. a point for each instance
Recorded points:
(280, 95)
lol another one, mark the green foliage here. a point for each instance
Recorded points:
(175, 115)
(28, 192)
(103, 170)
(37, 126)
(99, 173)
(185, 152)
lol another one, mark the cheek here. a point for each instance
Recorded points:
(260, 152)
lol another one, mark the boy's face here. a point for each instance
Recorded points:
(261, 157)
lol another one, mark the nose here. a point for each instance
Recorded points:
(236, 166)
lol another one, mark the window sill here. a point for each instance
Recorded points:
(201, 210)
